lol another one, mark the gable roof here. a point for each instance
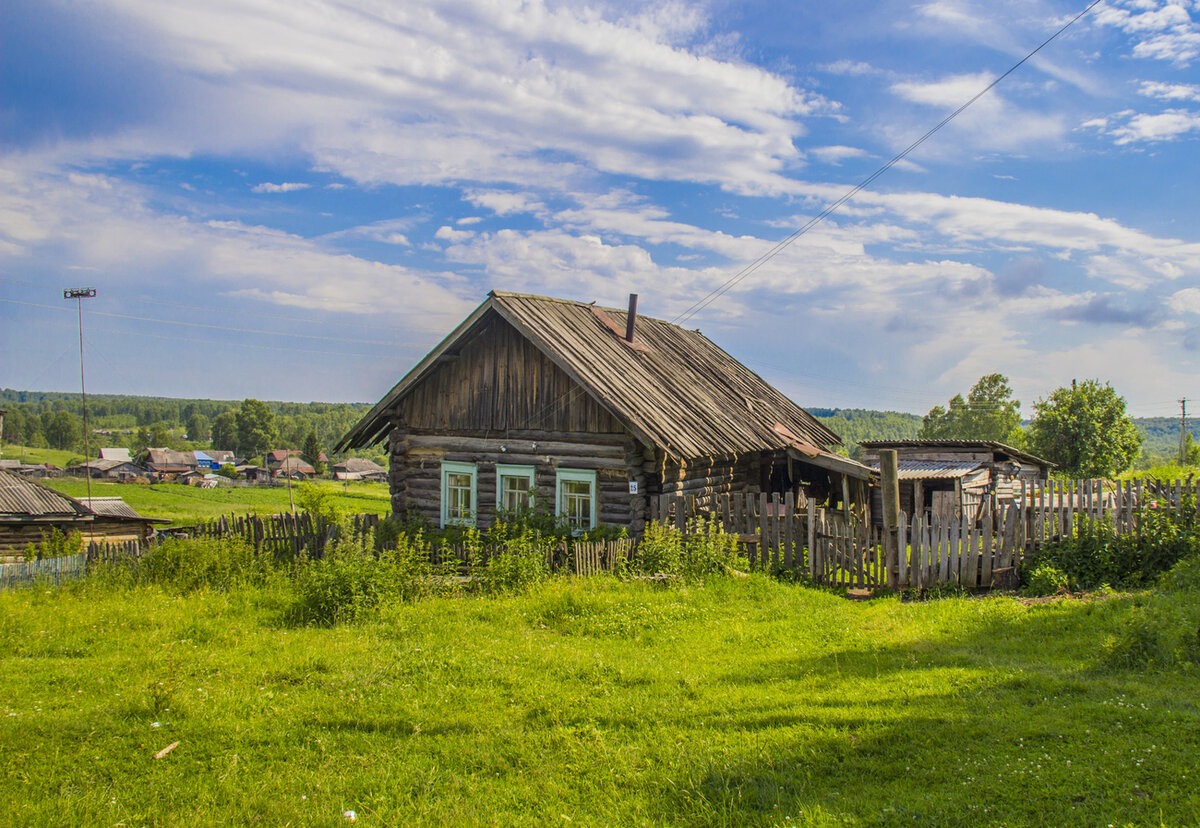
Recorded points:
(116, 454)
(672, 388)
(359, 465)
(169, 457)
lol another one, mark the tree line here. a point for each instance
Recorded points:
(1082, 428)
(54, 420)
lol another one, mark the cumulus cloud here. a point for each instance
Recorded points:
(1161, 30)
(111, 226)
(426, 91)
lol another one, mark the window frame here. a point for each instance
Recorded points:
(504, 470)
(450, 467)
(577, 476)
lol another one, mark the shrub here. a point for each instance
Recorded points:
(1047, 579)
(518, 563)
(709, 550)
(351, 581)
(188, 564)
(660, 551)
(55, 545)
(704, 549)
(1095, 555)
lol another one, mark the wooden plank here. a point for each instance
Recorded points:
(987, 554)
(764, 530)
(812, 539)
(789, 544)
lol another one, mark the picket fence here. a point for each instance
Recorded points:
(979, 549)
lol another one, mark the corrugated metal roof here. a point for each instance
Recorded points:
(114, 507)
(674, 389)
(933, 469)
(22, 498)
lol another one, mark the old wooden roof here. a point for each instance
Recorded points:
(672, 388)
(950, 446)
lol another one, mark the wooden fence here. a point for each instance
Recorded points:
(978, 550)
(283, 535)
(47, 571)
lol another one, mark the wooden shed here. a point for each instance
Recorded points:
(588, 411)
(950, 478)
(29, 510)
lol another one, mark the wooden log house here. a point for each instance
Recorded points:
(590, 412)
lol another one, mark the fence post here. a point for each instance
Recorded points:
(889, 477)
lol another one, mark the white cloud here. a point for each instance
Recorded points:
(991, 121)
(1170, 91)
(1186, 301)
(448, 233)
(285, 187)
(837, 154)
(491, 92)
(1163, 126)
(1161, 31)
(110, 226)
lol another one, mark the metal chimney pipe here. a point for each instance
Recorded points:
(631, 317)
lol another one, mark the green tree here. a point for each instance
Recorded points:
(312, 452)
(988, 413)
(225, 431)
(255, 427)
(63, 430)
(1085, 430)
(198, 427)
(14, 427)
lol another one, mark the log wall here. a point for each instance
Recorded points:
(417, 456)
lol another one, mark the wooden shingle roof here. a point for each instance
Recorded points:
(672, 388)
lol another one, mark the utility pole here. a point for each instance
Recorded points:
(79, 294)
(1183, 431)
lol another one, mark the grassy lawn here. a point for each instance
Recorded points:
(35, 456)
(740, 702)
(184, 505)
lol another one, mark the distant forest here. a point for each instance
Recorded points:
(1160, 435)
(54, 420)
(44, 418)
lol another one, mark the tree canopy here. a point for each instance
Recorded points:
(1084, 430)
(988, 413)
(255, 427)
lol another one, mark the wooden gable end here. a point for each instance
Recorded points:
(497, 380)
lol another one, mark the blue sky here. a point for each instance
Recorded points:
(296, 200)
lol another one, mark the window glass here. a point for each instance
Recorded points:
(514, 487)
(576, 500)
(458, 494)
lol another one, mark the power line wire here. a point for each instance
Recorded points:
(210, 326)
(779, 247)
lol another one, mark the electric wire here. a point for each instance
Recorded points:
(780, 246)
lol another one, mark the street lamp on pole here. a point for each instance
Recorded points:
(79, 294)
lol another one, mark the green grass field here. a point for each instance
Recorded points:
(40, 455)
(738, 702)
(183, 505)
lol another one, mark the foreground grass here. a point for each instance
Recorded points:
(184, 505)
(586, 703)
